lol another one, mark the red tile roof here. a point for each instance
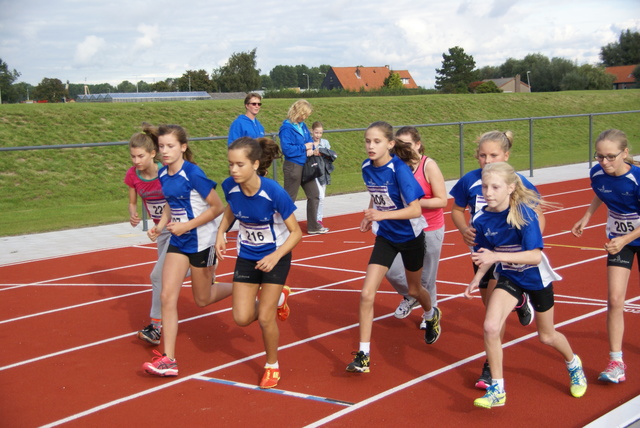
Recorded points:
(354, 78)
(622, 73)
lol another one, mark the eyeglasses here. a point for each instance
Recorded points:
(255, 104)
(610, 158)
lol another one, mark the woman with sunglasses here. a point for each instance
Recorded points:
(615, 180)
(247, 124)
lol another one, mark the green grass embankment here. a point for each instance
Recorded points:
(57, 189)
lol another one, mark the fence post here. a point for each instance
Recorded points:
(530, 147)
(590, 141)
(461, 127)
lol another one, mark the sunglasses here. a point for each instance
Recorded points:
(255, 104)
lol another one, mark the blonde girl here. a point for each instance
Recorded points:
(508, 236)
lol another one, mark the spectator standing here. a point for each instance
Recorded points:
(297, 144)
(247, 124)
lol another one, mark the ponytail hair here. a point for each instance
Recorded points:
(505, 139)
(264, 150)
(181, 136)
(412, 131)
(147, 139)
(521, 195)
(406, 153)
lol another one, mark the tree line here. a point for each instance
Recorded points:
(458, 74)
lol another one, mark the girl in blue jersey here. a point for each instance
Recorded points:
(268, 231)
(616, 182)
(493, 146)
(508, 236)
(192, 206)
(395, 216)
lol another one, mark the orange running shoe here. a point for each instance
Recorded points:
(284, 310)
(270, 378)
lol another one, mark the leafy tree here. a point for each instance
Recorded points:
(239, 74)
(126, 87)
(7, 77)
(51, 90)
(193, 80)
(144, 86)
(266, 82)
(636, 74)
(457, 72)
(18, 92)
(489, 72)
(102, 88)
(624, 52)
(393, 81)
(283, 76)
(488, 88)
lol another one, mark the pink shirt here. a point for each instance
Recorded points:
(149, 190)
(434, 216)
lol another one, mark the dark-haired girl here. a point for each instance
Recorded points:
(268, 231)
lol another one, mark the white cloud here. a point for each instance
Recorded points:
(121, 39)
(87, 50)
(150, 35)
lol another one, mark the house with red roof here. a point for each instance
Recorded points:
(366, 78)
(624, 78)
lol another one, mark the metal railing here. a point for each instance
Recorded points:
(461, 128)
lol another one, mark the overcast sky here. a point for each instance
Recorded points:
(115, 40)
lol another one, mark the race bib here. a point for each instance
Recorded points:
(381, 199)
(255, 235)
(155, 208)
(622, 224)
(179, 215)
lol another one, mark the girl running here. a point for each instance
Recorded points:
(268, 231)
(142, 179)
(192, 205)
(430, 178)
(394, 215)
(615, 181)
(508, 236)
(493, 146)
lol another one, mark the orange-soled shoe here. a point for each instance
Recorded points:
(270, 378)
(284, 310)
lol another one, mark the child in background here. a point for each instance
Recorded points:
(394, 215)
(142, 179)
(508, 237)
(322, 148)
(268, 231)
(192, 205)
(615, 181)
(430, 178)
(493, 146)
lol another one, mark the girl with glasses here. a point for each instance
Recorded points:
(615, 180)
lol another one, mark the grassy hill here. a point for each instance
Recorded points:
(66, 188)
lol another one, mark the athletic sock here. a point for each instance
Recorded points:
(365, 347)
(157, 323)
(272, 366)
(428, 315)
(500, 383)
(573, 363)
(615, 356)
(281, 300)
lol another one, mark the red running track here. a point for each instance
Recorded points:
(70, 356)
